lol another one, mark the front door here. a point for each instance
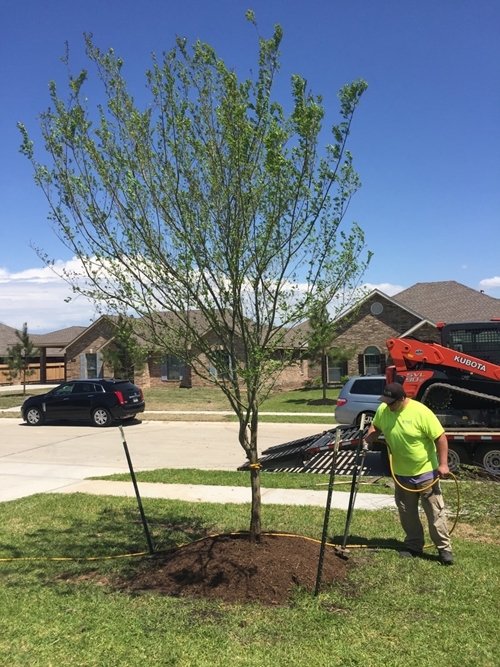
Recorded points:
(58, 403)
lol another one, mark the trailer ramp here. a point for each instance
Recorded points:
(313, 454)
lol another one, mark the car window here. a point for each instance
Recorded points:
(84, 388)
(63, 390)
(374, 386)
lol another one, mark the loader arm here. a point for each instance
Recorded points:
(417, 362)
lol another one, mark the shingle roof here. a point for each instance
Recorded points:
(58, 338)
(55, 339)
(449, 301)
(7, 338)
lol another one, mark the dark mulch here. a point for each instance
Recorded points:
(322, 401)
(232, 569)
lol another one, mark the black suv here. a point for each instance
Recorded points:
(98, 400)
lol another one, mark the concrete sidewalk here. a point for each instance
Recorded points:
(198, 493)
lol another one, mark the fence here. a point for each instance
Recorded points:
(54, 373)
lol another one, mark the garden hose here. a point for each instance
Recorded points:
(428, 546)
(311, 539)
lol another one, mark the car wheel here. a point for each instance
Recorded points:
(489, 457)
(457, 454)
(368, 417)
(101, 417)
(34, 417)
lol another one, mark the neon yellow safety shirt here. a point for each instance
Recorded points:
(410, 434)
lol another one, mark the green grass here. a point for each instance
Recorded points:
(203, 398)
(196, 398)
(14, 398)
(326, 421)
(476, 500)
(269, 480)
(300, 400)
(211, 399)
(391, 612)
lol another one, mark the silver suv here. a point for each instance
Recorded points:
(358, 395)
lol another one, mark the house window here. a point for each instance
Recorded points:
(336, 369)
(91, 362)
(221, 365)
(90, 365)
(172, 368)
(372, 361)
(334, 372)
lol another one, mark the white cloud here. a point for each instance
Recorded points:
(489, 283)
(37, 296)
(386, 288)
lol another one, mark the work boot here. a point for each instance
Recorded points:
(410, 553)
(445, 557)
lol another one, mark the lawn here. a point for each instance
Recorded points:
(472, 498)
(14, 398)
(389, 612)
(202, 398)
(211, 400)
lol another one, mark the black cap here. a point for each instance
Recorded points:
(392, 392)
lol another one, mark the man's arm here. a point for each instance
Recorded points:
(373, 434)
(442, 452)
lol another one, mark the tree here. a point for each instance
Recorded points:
(211, 213)
(124, 354)
(320, 339)
(20, 355)
(341, 354)
(320, 348)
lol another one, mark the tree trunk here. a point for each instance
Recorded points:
(255, 521)
(249, 443)
(324, 373)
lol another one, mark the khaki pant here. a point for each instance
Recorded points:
(433, 506)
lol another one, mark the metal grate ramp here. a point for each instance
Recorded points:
(313, 454)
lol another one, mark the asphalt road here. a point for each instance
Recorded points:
(52, 457)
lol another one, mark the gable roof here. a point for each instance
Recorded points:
(448, 301)
(368, 297)
(111, 319)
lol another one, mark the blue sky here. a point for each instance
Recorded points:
(425, 139)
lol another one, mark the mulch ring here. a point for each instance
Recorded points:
(232, 569)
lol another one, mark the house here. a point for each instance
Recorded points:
(52, 357)
(84, 358)
(49, 365)
(364, 328)
(415, 311)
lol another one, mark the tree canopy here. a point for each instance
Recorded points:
(210, 204)
(20, 355)
(124, 354)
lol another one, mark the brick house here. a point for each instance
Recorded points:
(377, 317)
(84, 359)
(415, 311)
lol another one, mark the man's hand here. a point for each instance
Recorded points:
(443, 470)
(372, 435)
(442, 452)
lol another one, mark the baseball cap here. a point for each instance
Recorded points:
(392, 392)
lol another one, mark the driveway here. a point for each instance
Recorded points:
(52, 457)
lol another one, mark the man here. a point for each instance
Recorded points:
(419, 450)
